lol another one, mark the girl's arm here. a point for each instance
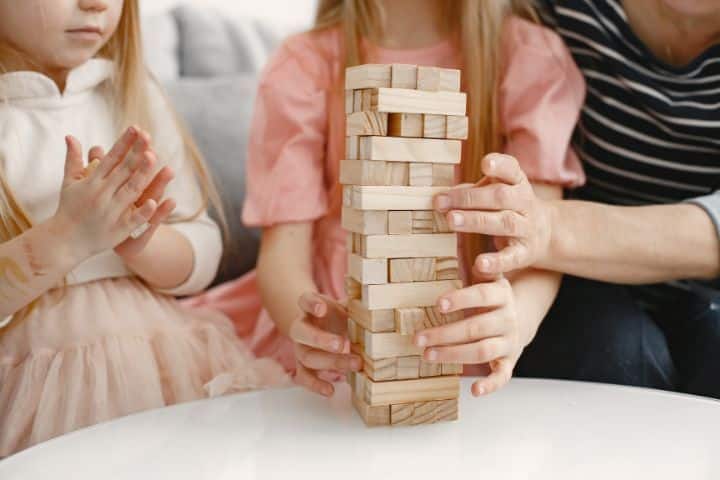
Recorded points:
(33, 263)
(284, 271)
(633, 245)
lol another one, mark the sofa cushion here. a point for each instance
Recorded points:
(218, 112)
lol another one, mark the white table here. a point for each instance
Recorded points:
(535, 429)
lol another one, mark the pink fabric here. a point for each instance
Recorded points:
(108, 348)
(298, 142)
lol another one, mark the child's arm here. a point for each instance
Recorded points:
(315, 323)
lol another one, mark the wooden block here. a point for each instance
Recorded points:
(401, 100)
(429, 369)
(391, 344)
(353, 288)
(457, 127)
(405, 125)
(403, 295)
(436, 319)
(400, 222)
(446, 268)
(350, 243)
(367, 222)
(404, 246)
(358, 243)
(366, 103)
(408, 321)
(349, 99)
(366, 123)
(452, 368)
(443, 175)
(403, 76)
(404, 391)
(354, 332)
(434, 126)
(368, 271)
(352, 147)
(367, 76)
(436, 79)
(404, 270)
(373, 416)
(413, 150)
(423, 222)
(424, 413)
(395, 368)
(357, 100)
(390, 197)
(440, 223)
(421, 174)
(372, 173)
(372, 320)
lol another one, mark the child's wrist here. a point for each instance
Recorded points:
(64, 249)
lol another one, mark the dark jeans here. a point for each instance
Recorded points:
(598, 332)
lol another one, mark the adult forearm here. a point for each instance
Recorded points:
(632, 244)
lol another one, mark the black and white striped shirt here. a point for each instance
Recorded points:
(649, 132)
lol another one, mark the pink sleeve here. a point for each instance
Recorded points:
(541, 96)
(286, 152)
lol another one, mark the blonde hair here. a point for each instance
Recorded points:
(129, 90)
(479, 27)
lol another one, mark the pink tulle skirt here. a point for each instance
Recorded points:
(110, 348)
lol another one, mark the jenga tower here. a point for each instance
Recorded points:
(404, 129)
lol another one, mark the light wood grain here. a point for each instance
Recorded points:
(414, 150)
(367, 76)
(402, 295)
(405, 246)
(423, 413)
(400, 100)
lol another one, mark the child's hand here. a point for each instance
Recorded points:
(505, 206)
(491, 336)
(97, 209)
(317, 350)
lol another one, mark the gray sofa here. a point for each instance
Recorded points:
(209, 63)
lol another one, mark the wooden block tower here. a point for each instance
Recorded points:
(404, 129)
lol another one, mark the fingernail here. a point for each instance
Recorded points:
(336, 345)
(458, 219)
(421, 341)
(444, 304)
(484, 264)
(443, 202)
(317, 309)
(480, 391)
(432, 355)
(491, 164)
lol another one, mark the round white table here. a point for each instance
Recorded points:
(537, 429)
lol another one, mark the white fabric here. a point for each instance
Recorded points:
(34, 120)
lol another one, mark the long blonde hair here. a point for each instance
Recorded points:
(479, 25)
(130, 93)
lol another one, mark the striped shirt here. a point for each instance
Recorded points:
(649, 132)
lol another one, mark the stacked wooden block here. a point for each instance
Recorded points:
(404, 129)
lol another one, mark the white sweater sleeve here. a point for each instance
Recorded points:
(201, 231)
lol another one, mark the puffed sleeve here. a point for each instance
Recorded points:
(541, 95)
(286, 153)
(201, 231)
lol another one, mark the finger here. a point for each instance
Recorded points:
(504, 224)
(482, 351)
(156, 189)
(319, 360)
(74, 168)
(118, 152)
(320, 306)
(442, 202)
(492, 294)
(503, 168)
(130, 192)
(310, 380)
(307, 334)
(95, 153)
(498, 378)
(161, 214)
(513, 257)
(485, 325)
(492, 197)
(140, 216)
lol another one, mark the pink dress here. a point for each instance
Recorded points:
(297, 142)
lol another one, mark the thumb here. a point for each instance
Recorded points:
(74, 169)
